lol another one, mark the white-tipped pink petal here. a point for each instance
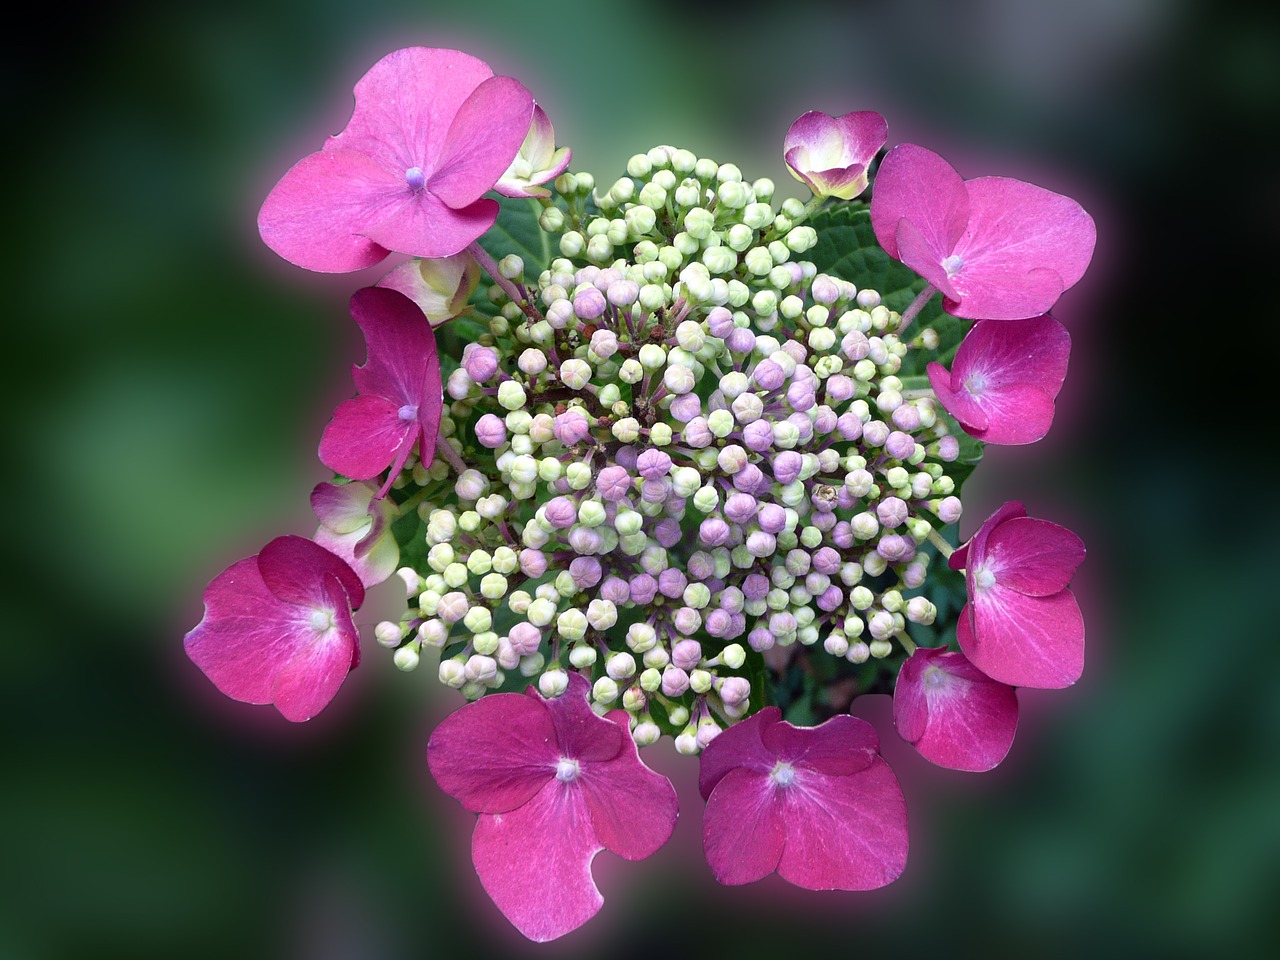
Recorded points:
(537, 162)
(831, 154)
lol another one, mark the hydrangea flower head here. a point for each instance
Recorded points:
(817, 804)
(554, 784)
(537, 162)
(1005, 377)
(953, 713)
(400, 394)
(832, 154)
(277, 627)
(431, 132)
(1022, 625)
(997, 248)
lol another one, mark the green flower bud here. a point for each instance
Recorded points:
(582, 656)
(511, 267)
(572, 243)
(493, 586)
(591, 513)
(478, 619)
(759, 263)
(540, 612)
(734, 195)
(705, 499)
(511, 395)
(620, 666)
(485, 643)
(700, 681)
(572, 624)
(720, 260)
(660, 434)
(564, 584)
(733, 656)
(453, 673)
(455, 574)
(881, 649)
(605, 690)
(550, 469)
(652, 356)
(553, 683)
(860, 598)
(683, 162)
(721, 424)
(551, 220)
(699, 223)
(801, 239)
(634, 700)
(639, 222)
(579, 476)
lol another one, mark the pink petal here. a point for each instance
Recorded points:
(427, 227)
(1033, 557)
(633, 809)
(535, 862)
(916, 184)
(958, 403)
(365, 436)
(1005, 352)
(741, 745)
(306, 684)
(1023, 246)
(1024, 641)
(343, 508)
(977, 544)
(399, 340)
(431, 405)
(298, 572)
(405, 104)
(581, 733)
(483, 139)
(953, 713)
(495, 753)
(316, 215)
(843, 832)
(373, 561)
(1016, 414)
(743, 831)
(923, 255)
(841, 745)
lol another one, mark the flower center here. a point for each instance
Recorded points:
(783, 774)
(953, 265)
(975, 383)
(321, 620)
(415, 178)
(934, 677)
(984, 578)
(408, 412)
(566, 770)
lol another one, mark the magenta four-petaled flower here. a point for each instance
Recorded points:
(553, 784)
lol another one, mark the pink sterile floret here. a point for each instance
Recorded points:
(277, 627)
(400, 393)
(831, 154)
(953, 713)
(553, 784)
(537, 162)
(1021, 626)
(817, 804)
(997, 248)
(431, 132)
(356, 526)
(1005, 377)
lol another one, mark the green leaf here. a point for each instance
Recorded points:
(847, 248)
(517, 232)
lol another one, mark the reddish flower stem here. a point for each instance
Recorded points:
(917, 305)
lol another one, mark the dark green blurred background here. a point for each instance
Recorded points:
(169, 379)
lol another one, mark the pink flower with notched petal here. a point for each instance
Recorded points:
(400, 392)
(277, 628)
(817, 804)
(953, 713)
(431, 133)
(831, 154)
(356, 526)
(997, 248)
(537, 162)
(1021, 626)
(554, 784)
(1005, 377)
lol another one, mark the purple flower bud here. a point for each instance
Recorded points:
(713, 532)
(895, 548)
(768, 375)
(561, 486)
(750, 479)
(671, 583)
(831, 598)
(824, 290)
(612, 483)
(761, 544)
(625, 457)
(685, 407)
(842, 533)
(906, 417)
(849, 426)
(570, 427)
(796, 271)
(653, 464)
(730, 599)
(587, 274)
(948, 448)
(740, 340)
(481, 364)
(740, 507)
(800, 395)
(560, 513)
(900, 445)
(758, 435)
(782, 622)
(760, 639)
(525, 638)
(892, 512)
(839, 388)
(735, 691)
(586, 572)
(772, 519)
(823, 521)
(615, 590)
(876, 433)
(655, 491)
(589, 303)
(915, 574)
(795, 350)
(643, 589)
(686, 619)
(585, 540)
(825, 421)
(701, 565)
(755, 586)
(686, 654)
(532, 562)
(675, 682)
(719, 322)
(696, 433)
(667, 532)
(623, 293)
(737, 626)
(803, 425)
(787, 466)
(949, 510)
(855, 345)
(604, 343)
(718, 622)
(826, 561)
(491, 432)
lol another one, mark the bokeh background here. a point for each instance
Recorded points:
(168, 379)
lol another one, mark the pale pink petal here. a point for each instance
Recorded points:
(916, 184)
(843, 832)
(482, 141)
(1023, 246)
(841, 745)
(365, 436)
(581, 733)
(427, 227)
(405, 104)
(297, 571)
(831, 154)
(743, 830)
(317, 215)
(373, 561)
(535, 862)
(741, 745)
(539, 152)
(440, 288)
(633, 809)
(306, 684)
(1024, 641)
(1033, 557)
(342, 507)
(953, 713)
(967, 411)
(494, 754)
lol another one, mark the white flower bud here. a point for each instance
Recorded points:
(452, 673)
(605, 690)
(553, 683)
